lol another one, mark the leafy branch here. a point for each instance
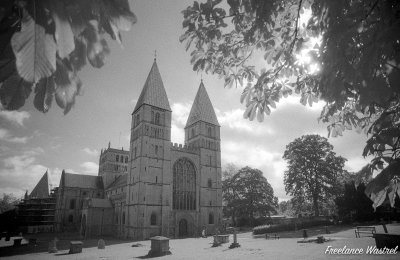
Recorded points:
(44, 44)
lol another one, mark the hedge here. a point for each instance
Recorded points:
(288, 226)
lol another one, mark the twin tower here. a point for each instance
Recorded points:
(172, 190)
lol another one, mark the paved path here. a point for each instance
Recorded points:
(251, 248)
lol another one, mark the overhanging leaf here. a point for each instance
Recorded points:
(44, 93)
(68, 86)
(97, 48)
(63, 33)
(34, 49)
(14, 91)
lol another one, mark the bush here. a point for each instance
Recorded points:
(289, 226)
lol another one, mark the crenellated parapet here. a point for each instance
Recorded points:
(185, 148)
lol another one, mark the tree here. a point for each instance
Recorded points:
(346, 53)
(313, 170)
(286, 208)
(44, 44)
(8, 202)
(353, 204)
(229, 170)
(248, 194)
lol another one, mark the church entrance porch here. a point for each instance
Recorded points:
(183, 228)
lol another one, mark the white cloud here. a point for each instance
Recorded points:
(243, 153)
(295, 100)
(90, 167)
(177, 134)
(356, 163)
(6, 136)
(20, 173)
(235, 121)
(92, 152)
(180, 113)
(69, 170)
(17, 117)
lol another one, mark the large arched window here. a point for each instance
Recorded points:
(184, 185)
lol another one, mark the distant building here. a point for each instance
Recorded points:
(36, 213)
(72, 191)
(112, 164)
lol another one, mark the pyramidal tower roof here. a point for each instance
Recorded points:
(202, 108)
(41, 189)
(153, 92)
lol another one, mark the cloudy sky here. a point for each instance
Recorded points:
(32, 142)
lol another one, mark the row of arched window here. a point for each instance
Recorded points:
(155, 118)
(209, 132)
(119, 158)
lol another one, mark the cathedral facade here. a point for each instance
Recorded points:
(166, 189)
(172, 190)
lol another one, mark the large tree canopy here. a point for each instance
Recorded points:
(247, 193)
(44, 43)
(314, 170)
(346, 53)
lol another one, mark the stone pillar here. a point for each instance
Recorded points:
(53, 246)
(235, 243)
(159, 246)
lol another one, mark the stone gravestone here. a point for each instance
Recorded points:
(159, 246)
(305, 235)
(75, 247)
(216, 241)
(327, 230)
(235, 243)
(101, 244)
(53, 246)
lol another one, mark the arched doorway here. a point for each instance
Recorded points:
(183, 228)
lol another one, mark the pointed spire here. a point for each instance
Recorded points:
(109, 144)
(26, 195)
(41, 189)
(202, 108)
(153, 92)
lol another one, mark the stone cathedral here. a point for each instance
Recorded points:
(173, 190)
(157, 187)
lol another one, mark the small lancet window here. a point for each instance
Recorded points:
(157, 118)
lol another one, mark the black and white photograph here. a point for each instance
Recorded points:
(199, 129)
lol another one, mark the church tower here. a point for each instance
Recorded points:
(202, 131)
(150, 164)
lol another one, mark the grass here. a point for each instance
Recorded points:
(311, 232)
